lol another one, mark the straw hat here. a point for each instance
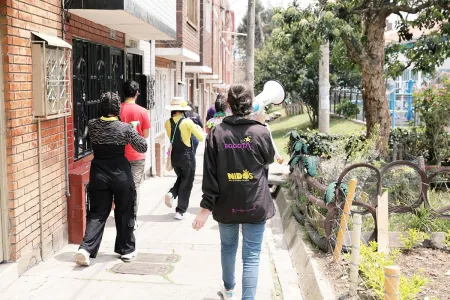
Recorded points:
(178, 104)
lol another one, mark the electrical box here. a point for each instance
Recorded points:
(52, 90)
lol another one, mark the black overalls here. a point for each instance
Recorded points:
(183, 163)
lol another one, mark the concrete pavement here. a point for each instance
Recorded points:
(195, 275)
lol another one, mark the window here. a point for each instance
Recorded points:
(96, 69)
(208, 15)
(193, 12)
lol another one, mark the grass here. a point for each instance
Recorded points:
(284, 124)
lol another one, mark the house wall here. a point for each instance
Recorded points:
(18, 19)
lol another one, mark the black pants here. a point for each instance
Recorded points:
(184, 167)
(108, 182)
(195, 143)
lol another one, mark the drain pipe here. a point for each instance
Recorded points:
(66, 154)
(66, 157)
(41, 206)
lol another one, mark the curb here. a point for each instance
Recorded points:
(314, 285)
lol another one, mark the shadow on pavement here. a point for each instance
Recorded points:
(101, 257)
(167, 217)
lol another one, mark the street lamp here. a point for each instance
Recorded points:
(234, 33)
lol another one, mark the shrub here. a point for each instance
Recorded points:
(347, 109)
(372, 265)
(433, 107)
(413, 239)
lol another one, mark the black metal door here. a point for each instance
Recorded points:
(96, 69)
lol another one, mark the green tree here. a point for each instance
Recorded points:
(291, 55)
(361, 23)
(263, 23)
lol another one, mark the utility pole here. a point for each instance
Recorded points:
(250, 49)
(324, 84)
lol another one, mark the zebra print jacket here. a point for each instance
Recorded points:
(109, 138)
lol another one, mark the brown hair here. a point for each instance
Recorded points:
(240, 99)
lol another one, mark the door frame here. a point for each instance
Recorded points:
(4, 224)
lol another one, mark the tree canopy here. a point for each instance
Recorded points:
(263, 23)
(360, 24)
(291, 55)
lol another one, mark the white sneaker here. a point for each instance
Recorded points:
(180, 216)
(82, 258)
(168, 199)
(129, 256)
(227, 295)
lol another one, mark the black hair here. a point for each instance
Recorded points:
(173, 112)
(130, 89)
(240, 98)
(221, 103)
(110, 104)
(190, 113)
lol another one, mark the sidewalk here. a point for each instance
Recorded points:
(183, 263)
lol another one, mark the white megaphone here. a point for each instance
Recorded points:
(273, 93)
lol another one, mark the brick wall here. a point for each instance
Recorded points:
(207, 42)
(18, 19)
(187, 36)
(205, 37)
(216, 37)
(77, 27)
(162, 63)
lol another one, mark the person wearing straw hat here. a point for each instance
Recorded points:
(180, 130)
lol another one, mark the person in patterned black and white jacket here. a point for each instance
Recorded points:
(111, 178)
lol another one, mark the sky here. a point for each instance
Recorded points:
(240, 7)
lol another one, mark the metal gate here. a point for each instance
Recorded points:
(96, 69)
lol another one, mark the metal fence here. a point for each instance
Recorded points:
(400, 106)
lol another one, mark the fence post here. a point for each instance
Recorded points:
(344, 219)
(354, 262)
(383, 222)
(392, 283)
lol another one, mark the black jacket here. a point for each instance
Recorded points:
(235, 187)
(195, 117)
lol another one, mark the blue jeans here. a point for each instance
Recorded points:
(251, 250)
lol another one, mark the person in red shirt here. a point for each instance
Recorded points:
(137, 116)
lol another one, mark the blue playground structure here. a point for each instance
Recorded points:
(401, 105)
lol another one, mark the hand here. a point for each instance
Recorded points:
(201, 219)
(280, 160)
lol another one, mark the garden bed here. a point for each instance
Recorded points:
(434, 265)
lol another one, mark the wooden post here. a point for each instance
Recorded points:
(392, 283)
(383, 222)
(354, 262)
(344, 219)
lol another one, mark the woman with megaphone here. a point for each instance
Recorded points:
(235, 189)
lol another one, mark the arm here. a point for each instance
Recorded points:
(168, 129)
(198, 133)
(145, 124)
(136, 141)
(266, 148)
(210, 186)
(277, 154)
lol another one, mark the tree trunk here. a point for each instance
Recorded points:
(250, 50)
(261, 30)
(324, 89)
(374, 89)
